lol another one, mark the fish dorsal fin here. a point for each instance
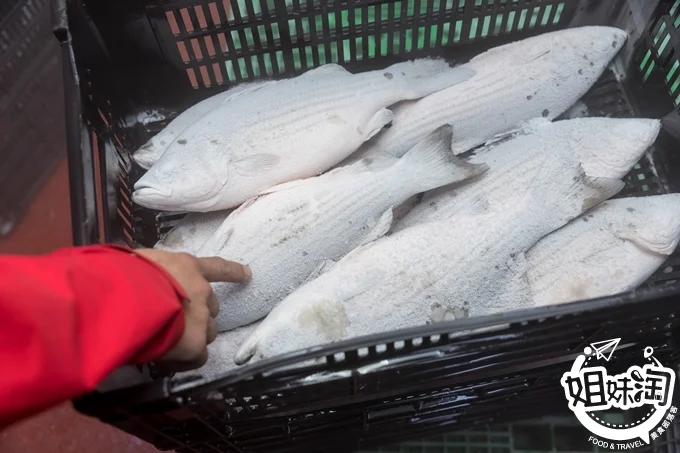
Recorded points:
(380, 228)
(531, 51)
(246, 88)
(322, 268)
(255, 164)
(327, 69)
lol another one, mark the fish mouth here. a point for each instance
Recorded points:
(149, 196)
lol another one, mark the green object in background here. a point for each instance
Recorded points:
(377, 44)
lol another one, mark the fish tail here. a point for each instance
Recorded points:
(248, 348)
(427, 76)
(550, 196)
(432, 164)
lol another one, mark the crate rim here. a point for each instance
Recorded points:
(191, 386)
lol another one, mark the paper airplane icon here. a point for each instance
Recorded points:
(605, 349)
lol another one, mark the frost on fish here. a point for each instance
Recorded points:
(612, 249)
(607, 147)
(289, 130)
(540, 76)
(192, 232)
(288, 234)
(152, 150)
(221, 353)
(435, 271)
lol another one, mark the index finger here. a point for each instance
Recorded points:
(216, 269)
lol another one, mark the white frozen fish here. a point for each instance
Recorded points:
(608, 148)
(292, 231)
(432, 272)
(221, 353)
(612, 249)
(151, 151)
(540, 76)
(292, 129)
(192, 232)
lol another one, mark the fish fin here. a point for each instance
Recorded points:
(373, 157)
(255, 164)
(215, 243)
(378, 121)
(248, 348)
(281, 187)
(380, 229)
(431, 163)
(244, 206)
(356, 251)
(602, 189)
(525, 128)
(420, 66)
(585, 193)
(427, 76)
(147, 155)
(500, 138)
(535, 55)
(246, 88)
(356, 167)
(664, 249)
(329, 68)
(322, 268)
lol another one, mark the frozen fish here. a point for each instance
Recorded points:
(292, 129)
(608, 148)
(432, 272)
(221, 353)
(539, 77)
(293, 231)
(612, 249)
(151, 151)
(192, 232)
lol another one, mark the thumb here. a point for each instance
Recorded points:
(216, 269)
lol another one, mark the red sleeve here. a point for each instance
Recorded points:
(68, 319)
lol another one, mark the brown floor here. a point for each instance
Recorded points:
(32, 106)
(46, 227)
(47, 223)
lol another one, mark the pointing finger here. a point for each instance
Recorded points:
(213, 306)
(211, 333)
(216, 269)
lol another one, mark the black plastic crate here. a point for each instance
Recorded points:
(132, 65)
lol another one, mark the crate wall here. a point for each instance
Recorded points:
(439, 378)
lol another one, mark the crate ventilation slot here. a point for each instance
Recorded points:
(223, 42)
(662, 52)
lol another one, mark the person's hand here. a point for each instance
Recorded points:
(194, 275)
